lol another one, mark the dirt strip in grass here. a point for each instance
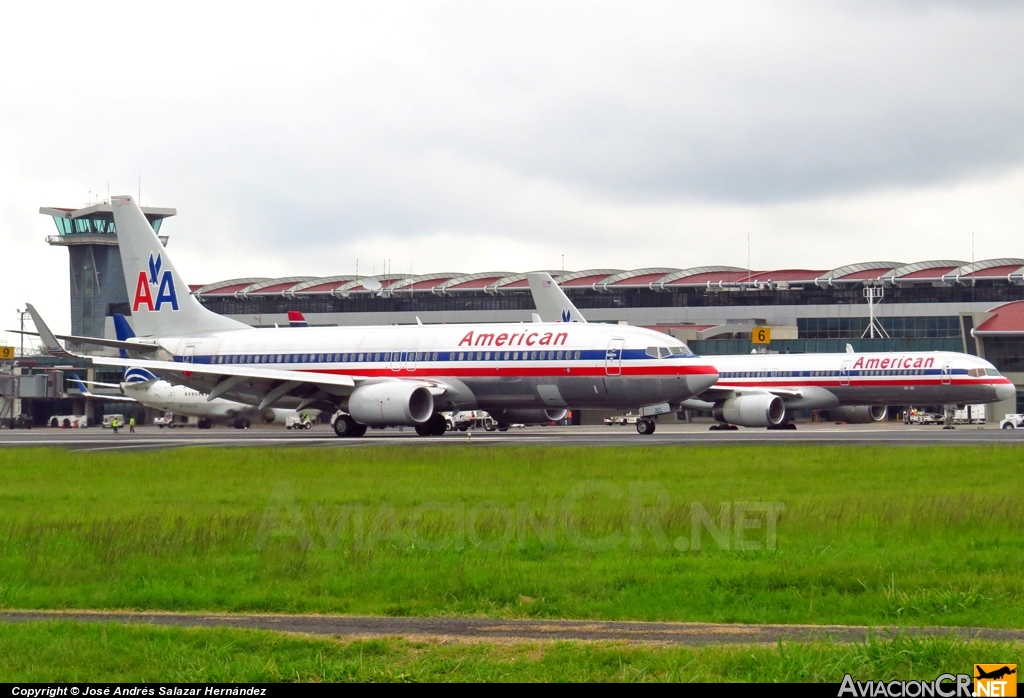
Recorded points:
(504, 630)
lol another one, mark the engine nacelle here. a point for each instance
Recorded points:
(751, 411)
(858, 415)
(527, 416)
(392, 403)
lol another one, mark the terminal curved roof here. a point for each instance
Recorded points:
(939, 271)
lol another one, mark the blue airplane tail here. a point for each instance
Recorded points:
(77, 382)
(132, 374)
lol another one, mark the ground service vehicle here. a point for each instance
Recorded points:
(68, 421)
(108, 420)
(474, 419)
(298, 422)
(1012, 421)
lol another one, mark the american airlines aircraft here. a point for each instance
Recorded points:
(390, 376)
(763, 390)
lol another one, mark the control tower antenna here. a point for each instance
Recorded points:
(874, 295)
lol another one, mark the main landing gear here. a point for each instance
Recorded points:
(437, 425)
(645, 426)
(346, 426)
(723, 427)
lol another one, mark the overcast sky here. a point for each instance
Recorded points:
(296, 139)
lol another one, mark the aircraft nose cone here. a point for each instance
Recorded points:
(1005, 391)
(701, 382)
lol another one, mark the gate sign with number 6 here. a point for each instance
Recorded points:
(761, 335)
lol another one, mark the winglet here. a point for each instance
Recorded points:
(50, 343)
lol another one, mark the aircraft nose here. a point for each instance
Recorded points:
(1005, 391)
(702, 381)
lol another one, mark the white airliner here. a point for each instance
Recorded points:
(763, 390)
(181, 400)
(397, 375)
(139, 385)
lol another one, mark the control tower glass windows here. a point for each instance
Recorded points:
(93, 225)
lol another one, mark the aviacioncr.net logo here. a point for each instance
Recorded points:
(163, 283)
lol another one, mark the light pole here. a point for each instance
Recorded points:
(21, 319)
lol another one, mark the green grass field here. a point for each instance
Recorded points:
(47, 652)
(862, 535)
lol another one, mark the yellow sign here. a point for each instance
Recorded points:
(6, 352)
(995, 680)
(761, 335)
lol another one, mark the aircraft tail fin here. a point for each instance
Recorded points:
(77, 382)
(296, 319)
(123, 331)
(50, 343)
(552, 303)
(132, 374)
(161, 302)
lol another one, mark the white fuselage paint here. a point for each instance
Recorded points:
(528, 365)
(182, 400)
(892, 378)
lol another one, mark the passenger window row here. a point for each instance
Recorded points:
(388, 357)
(824, 374)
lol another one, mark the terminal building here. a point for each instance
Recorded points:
(950, 305)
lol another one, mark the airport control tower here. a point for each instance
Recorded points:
(97, 278)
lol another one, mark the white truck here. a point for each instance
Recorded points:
(68, 421)
(621, 420)
(108, 420)
(970, 414)
(1012, 421)
(298, 422)
(165, 420)
(471, 419)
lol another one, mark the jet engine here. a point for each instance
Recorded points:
(526, 416)
(751, 411)
(858, 415)
(392, 403)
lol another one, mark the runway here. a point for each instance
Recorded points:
(513, 630)
(98, 439)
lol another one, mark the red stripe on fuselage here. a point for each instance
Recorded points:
(937, 380)
(514, 372)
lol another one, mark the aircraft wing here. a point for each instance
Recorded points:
(143, 347)
(714, 394)
(250, 383)
(54, 348)
(102, 385)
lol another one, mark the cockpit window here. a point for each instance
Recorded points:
(991, 372)
(666, 352)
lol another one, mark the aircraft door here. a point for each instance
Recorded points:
(395, 362)
(613, 357)
(410, 361)
(844, 373)
(188, 355)
(946, 370)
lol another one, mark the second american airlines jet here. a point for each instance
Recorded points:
(763, 390)
(397, 375)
